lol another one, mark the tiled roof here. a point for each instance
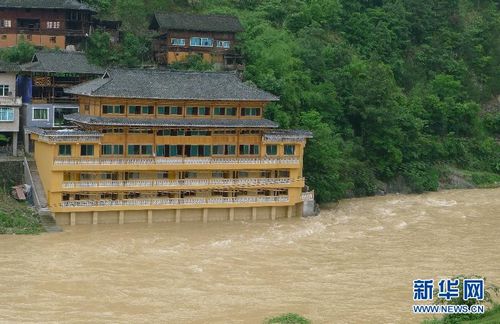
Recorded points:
(61, 62)
(172, 122)
(290, 133)
(46, 4)
(62, 132)
(164, 84)
(210, 23)
(8, 67)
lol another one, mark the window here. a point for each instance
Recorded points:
(170, 132)
(52, 39)
(197, 111)
(40, 113)
(87, 150)
(29, 37)
(289, 149)
(249, 149)
(224, 149)
(250, 132)
(4, 90)
(4, 37)
(178, 41)
(225, 111)
(112, 149)
(169, 150)
(166, 110)
(201, 41)
(53, 24)
(195, 132)
(5, 23)
(65, 150)
(59, 114)
(135, 110)
(140, 149)
(112, 130)
(250, 111)
(271, 149)
(198, 150)
(113, 109)
(223, 44)
(147, 110)
(6, 114)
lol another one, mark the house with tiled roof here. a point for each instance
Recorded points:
(157, 146)
(10, 104)
(47, 23)
(41, 85)
(211, 36)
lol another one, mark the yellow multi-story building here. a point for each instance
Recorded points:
(158, 146)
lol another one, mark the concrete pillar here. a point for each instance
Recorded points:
(254, 213)
(273, 212)
(177, 215)
(289, 211)
(72, 217)
(14, 143)
(205, 215)
(150, 217)
(26, 142)
(94, 217)
(121, 217)
(231, 214)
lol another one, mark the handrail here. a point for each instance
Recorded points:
(33, 189)
(178, 182)
(172, 201)
(180, 160)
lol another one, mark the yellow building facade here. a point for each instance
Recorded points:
(159, 146)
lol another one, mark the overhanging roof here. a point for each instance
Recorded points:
(174, 85)
(170, 122)
(192, 22)
(61, 62)
(46, 4)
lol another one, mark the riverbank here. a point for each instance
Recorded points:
(17, 217)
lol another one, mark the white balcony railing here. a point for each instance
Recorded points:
(172, 201)
(174, 183)
(171, 161)
(308, 196)
(70, 139)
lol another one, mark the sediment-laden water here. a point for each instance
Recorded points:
(353, 264)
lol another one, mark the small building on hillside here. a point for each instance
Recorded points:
(49, 23)
(160, 146)
(211, 36)
(10, 104)
(41, 84)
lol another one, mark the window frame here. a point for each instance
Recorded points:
(39, 109)
(60, 146)
(7, 114)
(4, 90)
(86, 146)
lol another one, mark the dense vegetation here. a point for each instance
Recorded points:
(16, 217)
(396, 91)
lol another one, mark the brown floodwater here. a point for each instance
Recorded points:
(352, 264)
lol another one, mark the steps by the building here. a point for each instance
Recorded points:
(49, 223)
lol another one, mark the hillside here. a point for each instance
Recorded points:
(393, 90)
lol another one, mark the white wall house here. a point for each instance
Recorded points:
(10, 104)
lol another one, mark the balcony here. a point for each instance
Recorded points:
(174, 201)
(11, 101)
(69, 139)
(176, 183)
(187, 163)
(308, 196)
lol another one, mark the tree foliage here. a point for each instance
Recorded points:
(390, 88)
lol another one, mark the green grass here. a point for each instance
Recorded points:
(289, 318)
(460, 178)
(16, 217)
(491, 316)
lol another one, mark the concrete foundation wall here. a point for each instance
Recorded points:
(180, 215)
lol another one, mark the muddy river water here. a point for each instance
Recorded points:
(353, 264)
